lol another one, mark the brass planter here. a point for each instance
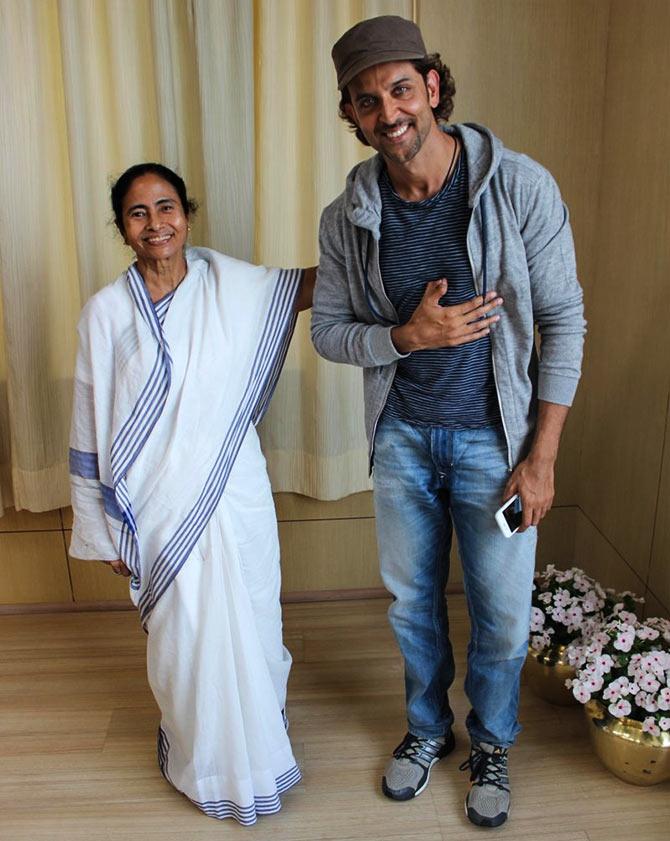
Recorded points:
(546, 673)
(625, 750)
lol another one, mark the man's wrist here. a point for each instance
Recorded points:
(550, 421)
(403, 338)
(544, 454)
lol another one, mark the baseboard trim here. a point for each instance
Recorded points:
(64, 607)
(295, 597)
(354, 594)
(298, 596)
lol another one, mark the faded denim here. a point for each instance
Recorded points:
(427, 482)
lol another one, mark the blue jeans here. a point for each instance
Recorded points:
(427, 482)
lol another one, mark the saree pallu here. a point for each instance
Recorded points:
(168, 475)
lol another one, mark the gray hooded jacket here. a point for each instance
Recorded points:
(519, 243)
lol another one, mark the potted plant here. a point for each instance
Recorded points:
(623, 679)
(567, 604)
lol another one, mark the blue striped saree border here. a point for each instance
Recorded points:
(272, 346)
(222, 809)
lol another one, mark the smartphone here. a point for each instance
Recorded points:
(510, 515)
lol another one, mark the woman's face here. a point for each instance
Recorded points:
(154, 223)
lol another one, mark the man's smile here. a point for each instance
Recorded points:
(395, 133)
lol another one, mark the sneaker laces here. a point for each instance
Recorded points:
(487, 768)
(418, 749)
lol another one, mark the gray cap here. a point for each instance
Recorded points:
(374, 41)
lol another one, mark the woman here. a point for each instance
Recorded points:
(177, 360)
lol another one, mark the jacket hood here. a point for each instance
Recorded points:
(362, 199)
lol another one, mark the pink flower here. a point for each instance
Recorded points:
(604, 663)
(590, 626)
(664, 723)
(661, 625)
(536, 619)
(624, 685)
(562, 598)
(650, 704)
(540, 641)
(644, 632)
(650, 726)
(620, 708)
(625, 639)
(648, 683)
(658, 662)
(610, 692)
(564, 576)
(558, 614)
(594, 682)
(664, 699)
(581, 692)
(574, 615)
(590, 604)
(575, 654)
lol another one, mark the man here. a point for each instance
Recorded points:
(438, 260)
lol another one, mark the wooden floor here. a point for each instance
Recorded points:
(77, 744)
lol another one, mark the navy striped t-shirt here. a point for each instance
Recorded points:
(423, 241)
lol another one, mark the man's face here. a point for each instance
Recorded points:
(391, 104)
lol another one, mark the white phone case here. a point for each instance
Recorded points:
(500, 517)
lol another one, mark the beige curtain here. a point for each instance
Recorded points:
(239, 96)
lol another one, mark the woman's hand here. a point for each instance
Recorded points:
(306, 293)
(119, 568)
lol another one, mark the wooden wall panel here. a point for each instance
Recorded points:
(328, 555)
(93, 581)
(654, 606)
(34, 568)
(556, 538)
(296, 507)
(534, 73)
(599, 558)
(628, 375)
(328, 552)
(658, 583)
(27, 521)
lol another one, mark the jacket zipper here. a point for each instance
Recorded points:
(371, 453)
(493, 360)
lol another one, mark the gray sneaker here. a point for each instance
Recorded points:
(488, 801)
(408, 772)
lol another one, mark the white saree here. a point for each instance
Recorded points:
(168, 475)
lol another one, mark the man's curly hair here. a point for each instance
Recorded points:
(442, 110)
